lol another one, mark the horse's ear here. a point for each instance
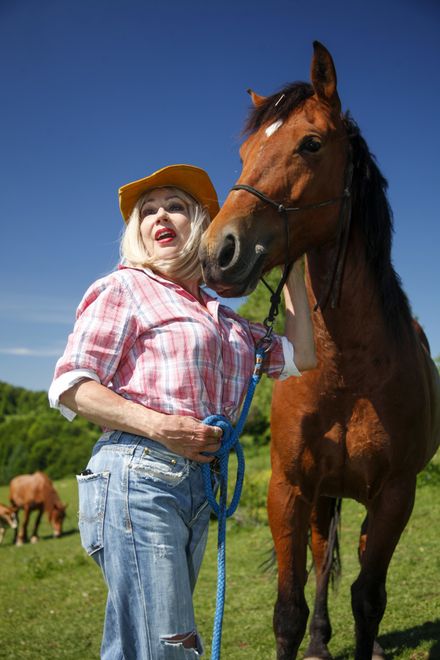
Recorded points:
(323, 74)
(257, 100)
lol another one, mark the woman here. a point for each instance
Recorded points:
(152, 355)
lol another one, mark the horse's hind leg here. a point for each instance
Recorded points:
(388, 514)
(289, 519)
(324, 527)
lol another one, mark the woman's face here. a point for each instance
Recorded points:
(164, 223)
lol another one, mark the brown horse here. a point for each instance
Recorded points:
(36, 492)
(367, 420)
(8, 518)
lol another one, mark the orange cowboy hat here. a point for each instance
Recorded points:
(192, 180)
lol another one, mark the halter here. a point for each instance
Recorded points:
(334, 279)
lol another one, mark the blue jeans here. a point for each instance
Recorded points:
(143, 516)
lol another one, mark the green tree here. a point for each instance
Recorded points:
(34, 437)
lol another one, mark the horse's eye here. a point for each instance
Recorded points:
(310, 144)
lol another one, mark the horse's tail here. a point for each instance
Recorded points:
(333, 564)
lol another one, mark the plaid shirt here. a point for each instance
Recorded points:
(152, 342)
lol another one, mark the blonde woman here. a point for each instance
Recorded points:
(150, 357)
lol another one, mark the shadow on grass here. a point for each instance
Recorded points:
(43, 537)
(401, 641)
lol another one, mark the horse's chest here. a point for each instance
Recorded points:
(348, 453)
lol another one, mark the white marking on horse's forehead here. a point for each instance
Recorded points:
(270, 130)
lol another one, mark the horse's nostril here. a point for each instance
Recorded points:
(226, 254)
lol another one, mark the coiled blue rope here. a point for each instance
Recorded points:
(230, 441)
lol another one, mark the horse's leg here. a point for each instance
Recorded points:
(388, 514)
(378, 652)
(324, 522)
(34, 537)
(22, 530)
(289, 519)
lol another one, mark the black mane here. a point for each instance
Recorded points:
(370, 210)
(372, 213)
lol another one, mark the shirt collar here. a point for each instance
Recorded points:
(207, 298)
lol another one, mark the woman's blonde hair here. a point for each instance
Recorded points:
(186, 265)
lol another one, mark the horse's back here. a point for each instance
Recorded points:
(433, 387)
(30, 489)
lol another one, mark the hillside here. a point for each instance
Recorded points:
(34, 437)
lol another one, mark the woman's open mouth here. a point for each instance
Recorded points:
(164, 235)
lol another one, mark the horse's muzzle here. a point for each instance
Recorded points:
(231, 266)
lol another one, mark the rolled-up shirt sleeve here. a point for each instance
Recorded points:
(63, 383)
(280, 358)
(105, 329)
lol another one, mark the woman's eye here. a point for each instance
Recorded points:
(176, 208)
(311, 144)
(147, 211)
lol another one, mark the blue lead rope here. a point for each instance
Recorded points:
(230, 441)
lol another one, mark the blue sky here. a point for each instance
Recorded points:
(97, 93)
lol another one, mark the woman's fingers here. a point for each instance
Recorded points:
(191, 438)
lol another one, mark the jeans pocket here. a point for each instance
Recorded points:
(92, 490)
(161, 466)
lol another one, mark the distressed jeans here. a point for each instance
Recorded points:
(143, 517)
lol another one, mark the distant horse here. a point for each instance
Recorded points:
(367, 420)
(32, 492)
(8, 518)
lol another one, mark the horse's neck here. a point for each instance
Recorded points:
(52, 500)
(357, 316)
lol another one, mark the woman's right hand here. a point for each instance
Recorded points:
(189, 437)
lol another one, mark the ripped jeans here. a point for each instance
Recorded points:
(144, 519)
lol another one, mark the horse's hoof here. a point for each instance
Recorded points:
(323, 653)
(34, 539)
(378, 652)
(19, 542)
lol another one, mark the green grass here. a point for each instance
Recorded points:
(52, 595)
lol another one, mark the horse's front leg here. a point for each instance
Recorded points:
(324, 526)
(289, 519)
(388, 514)
(34, 537)
(22, 529)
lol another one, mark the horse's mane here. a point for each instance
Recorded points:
(371, 210)
(278, 106)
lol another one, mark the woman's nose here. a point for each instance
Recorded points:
(161, 214)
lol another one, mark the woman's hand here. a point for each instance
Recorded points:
(299, 328)
(186, 436)
(189, 437)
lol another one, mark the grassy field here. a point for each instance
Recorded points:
(52, 595)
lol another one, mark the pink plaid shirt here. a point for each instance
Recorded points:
(152, 342)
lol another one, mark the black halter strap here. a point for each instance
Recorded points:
(334, 277)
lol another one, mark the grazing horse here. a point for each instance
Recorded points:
(367, 420)
(36, 492)
(8, 518)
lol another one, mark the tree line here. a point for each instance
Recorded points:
(34, 437)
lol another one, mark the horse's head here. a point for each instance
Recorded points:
(295, 155)
(57, 517)
(8, 516)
